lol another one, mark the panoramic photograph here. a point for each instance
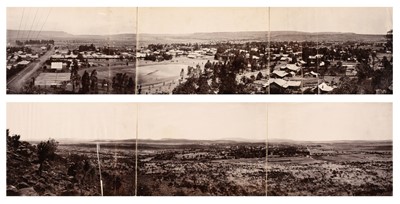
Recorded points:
(290, 50)
(71, 149)
(330, 149)
(201, 149)
(331, 50)
(201, 50)
(65, 50)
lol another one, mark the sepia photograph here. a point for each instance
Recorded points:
(199, 149)
(201, 50)
(330, 149)
(65, 50)
(331, 50)
(202, 149)
(265, 50)
(71, 149)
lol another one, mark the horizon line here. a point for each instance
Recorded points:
(221, 139)
(202, 32)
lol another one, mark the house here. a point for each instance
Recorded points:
(57, 56)
(280, 73)
(23, 63)
(325, 87)
(291, 67)
(280, 82)
(56, 65)
(294, 84)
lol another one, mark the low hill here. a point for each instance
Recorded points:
(258, 36)
(13, 35)
(203, 37)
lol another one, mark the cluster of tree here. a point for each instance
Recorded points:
(13, 140)
(288, 150)
(248, 152)
(161, 57)
(389, 40)
(220, 78)
(123, 84)
(85, 48)
(34, 42)
(368, 80)
(89, 82)
(11, 50)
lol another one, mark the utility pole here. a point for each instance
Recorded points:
(98, 161)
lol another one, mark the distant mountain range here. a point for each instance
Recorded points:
(275, 140)
(171, 141)
(259, 36)
(61, 35)
(201, 37)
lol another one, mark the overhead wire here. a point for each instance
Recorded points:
(48, 14)
(30, 30)
(20, 22)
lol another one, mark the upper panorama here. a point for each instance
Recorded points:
(71, 50)
(199, 50)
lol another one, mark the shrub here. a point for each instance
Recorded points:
(46, 151)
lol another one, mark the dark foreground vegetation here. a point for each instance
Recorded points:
(49, 169)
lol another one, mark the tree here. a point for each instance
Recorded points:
(389, 40)
(85, 82)
(15, 141)
(46, 151)
(259, 76)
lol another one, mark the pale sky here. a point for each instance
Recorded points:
(362, 20)
(183, 20)
(203, 121)
(83, 20)
(77, 121)
(330, 121)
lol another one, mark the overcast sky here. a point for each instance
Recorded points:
(77, 121)
(203, 121)
(202, 19)
(357, 20)
(170, 20)
(330, 121)
(93, 21)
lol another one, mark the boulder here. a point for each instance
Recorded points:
(70, 193)
(40, 188)
(26, 178)
(12, 191)
(22, 185)
(28, 192)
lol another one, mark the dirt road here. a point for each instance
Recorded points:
(15, 84)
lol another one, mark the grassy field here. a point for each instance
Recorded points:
(342, 168)
(201, 170)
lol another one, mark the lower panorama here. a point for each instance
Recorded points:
(199, 149)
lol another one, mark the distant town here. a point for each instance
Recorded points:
(226, 67)
(120, 56)
(262, 67)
